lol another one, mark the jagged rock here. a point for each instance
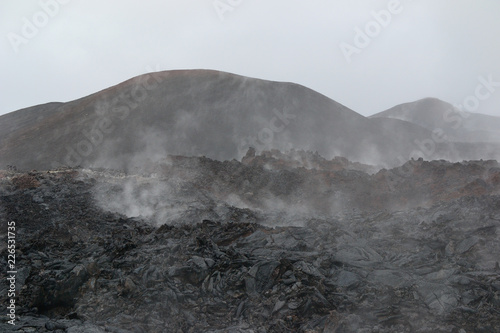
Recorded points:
(84, 267)
(261, 276)
(86, 328)
(347, 279)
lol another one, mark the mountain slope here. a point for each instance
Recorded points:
(202, 112)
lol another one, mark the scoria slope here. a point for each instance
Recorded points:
(209, 113)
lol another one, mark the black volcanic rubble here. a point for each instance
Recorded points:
(419, 252)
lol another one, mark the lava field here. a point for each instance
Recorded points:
(273, 243)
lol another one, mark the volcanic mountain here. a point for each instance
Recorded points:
(275, 242)
(458, 125)
(214, 114)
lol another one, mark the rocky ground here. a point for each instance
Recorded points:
(274, 243)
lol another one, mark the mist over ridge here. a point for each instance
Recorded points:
(220, 115)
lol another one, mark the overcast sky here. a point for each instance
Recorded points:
(366, 54)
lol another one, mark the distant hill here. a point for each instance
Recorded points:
(215, 114)
(432, 113)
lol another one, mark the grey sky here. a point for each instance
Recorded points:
(437, 48)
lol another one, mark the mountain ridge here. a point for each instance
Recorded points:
(212, 113)
(433, 113)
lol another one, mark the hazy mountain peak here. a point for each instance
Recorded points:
(437, 115)
(429, 106)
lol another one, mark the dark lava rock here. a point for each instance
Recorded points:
(85, 267)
